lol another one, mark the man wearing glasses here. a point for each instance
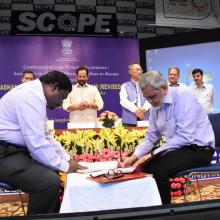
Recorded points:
(134, 106)
(180, 119)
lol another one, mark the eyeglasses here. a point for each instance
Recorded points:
(112, 174)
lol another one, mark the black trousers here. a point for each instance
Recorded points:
(169, 164)
(41, 183)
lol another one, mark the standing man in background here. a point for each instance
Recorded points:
(134, 106)
(27, 76)
(84, 101)
(30, 157)
(173, 77)
(204, 92)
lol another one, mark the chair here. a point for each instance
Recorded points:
(9, 187)
(212, 169)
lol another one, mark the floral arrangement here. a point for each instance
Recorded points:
(108, 119)
(178, 186)
(105, 155)
(91, 142)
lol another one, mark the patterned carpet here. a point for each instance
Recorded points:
(209, 191)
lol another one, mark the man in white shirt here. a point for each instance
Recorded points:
(173, 77)
(134, 106)
(30, 157)
(204, 92)
(84, 101)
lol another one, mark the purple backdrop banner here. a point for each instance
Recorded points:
(106, 58)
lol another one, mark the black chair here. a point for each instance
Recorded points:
(196, 174)
(9, 187)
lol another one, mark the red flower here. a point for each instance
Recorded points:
(115, 154)
(86, 157)
(179, 193)
(173, 185)
(177, 179)
(174, 194)
(97, 157)
(178, 185)
(106, 153)
(182, 180)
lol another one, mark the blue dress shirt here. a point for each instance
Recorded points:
(181, 121)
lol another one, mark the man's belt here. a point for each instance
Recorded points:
(197, 147)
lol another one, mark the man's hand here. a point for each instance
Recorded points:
(127, 161)
(72, 108)
(140, 114)
(84, 105)
(142, 160)
(74, 166)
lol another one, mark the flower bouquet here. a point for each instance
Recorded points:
(179, 186)
(108, 119)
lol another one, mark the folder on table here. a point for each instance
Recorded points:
(124, 177)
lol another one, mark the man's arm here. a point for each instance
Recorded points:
(57, 146)
(152, 136)
(125, 102)
(32, 122)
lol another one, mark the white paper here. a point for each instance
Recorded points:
(142, 123)
(81, 125)
(98, 166)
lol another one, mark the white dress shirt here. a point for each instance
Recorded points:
(204, 94)
(23, 121)
(79, 94)
(131, 106)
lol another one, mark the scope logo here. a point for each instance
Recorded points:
(46, 22)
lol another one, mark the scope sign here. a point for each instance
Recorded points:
(46, 22)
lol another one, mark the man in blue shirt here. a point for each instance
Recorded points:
(30, 157)
(177, 116)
